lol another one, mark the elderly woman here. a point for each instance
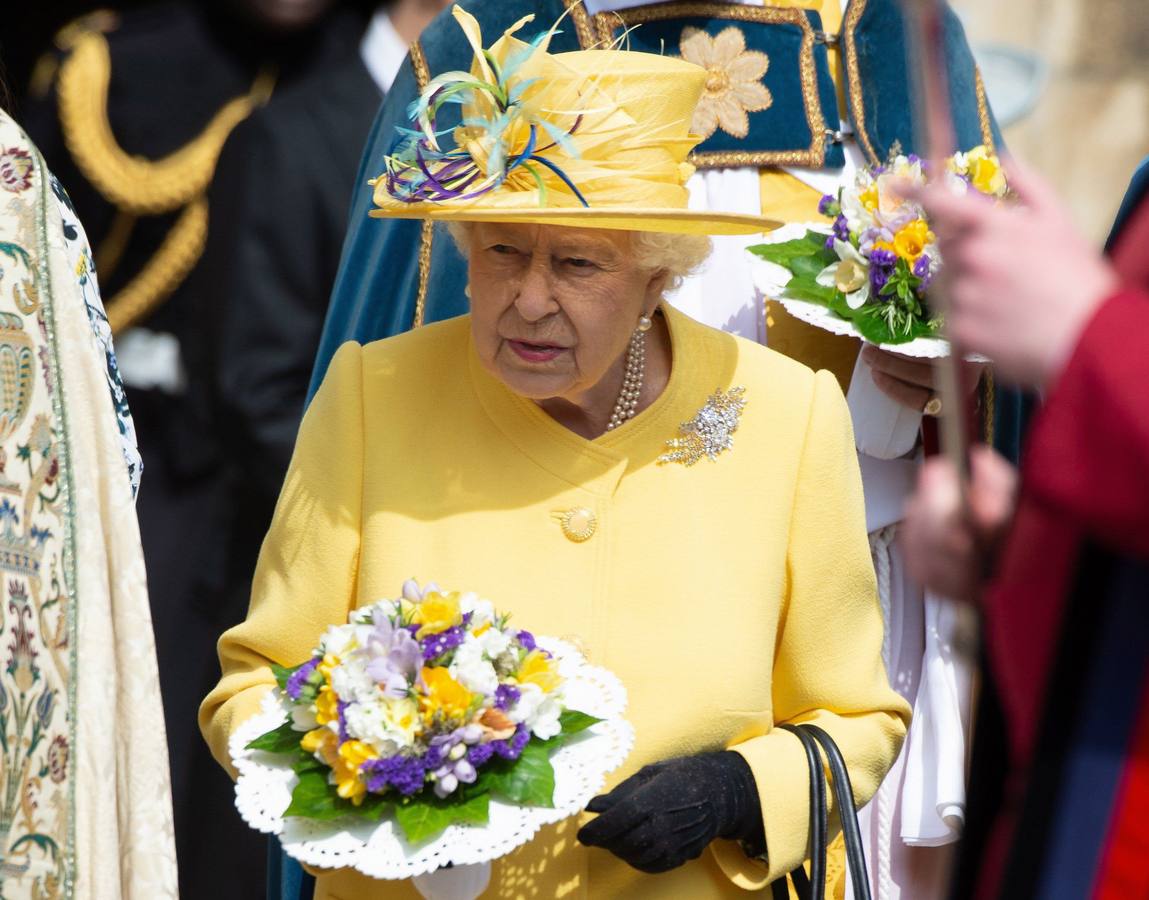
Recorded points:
(592, 460)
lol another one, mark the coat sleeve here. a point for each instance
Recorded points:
(828, 660)
(1089, 457)
(308, 568)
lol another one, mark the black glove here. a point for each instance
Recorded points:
(668, 813)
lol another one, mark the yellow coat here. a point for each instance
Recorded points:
(725, 600)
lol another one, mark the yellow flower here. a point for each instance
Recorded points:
(444, 696)
(326, 705)
(985, 172)
(869, 197)
(348, 784)
(910, 242)
(437, 613)
(322, 741)
(734, 87)
(539, 669)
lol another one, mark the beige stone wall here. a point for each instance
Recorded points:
(1091, 125)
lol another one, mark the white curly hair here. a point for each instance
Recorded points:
(675, 255)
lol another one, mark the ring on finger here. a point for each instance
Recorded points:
(933, 406)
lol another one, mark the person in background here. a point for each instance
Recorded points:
(86, 807)
(132, 122)
(266, 278)
(774, 142)
(1059, 785)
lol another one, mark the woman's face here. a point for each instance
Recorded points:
(553, 308)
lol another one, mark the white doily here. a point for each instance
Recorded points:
(378, 849)
(771, 280)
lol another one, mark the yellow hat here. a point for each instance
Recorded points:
(592, 139)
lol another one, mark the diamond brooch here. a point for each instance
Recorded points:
(710, 432)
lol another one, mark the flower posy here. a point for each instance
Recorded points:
(877, 263)
(424, 705)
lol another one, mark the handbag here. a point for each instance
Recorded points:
(813, 886)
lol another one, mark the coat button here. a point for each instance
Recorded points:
(579, 524)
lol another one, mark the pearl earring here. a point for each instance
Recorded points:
(467, 292)
(645, 323)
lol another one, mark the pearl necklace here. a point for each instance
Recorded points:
(627, 404)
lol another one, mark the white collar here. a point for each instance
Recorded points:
(383, 51)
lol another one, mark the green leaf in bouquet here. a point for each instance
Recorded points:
(785, 252)
(873, 324)
(282, 673)
(283, 739)
(424, 818)
(840, 307)
(806, 287)
(574, 722)
(314, 798)
(528, 780)
(808, 266)
(374, 808)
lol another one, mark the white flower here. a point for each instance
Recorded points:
(903, 169)
(387, 725)
(384, 609)
(303, 718)
(341, 640)
(538, 710)
(494, 642)
(335, 640)
(482, 611)
(351, 681)
(472, 669)
(851, 275)
(858, 215)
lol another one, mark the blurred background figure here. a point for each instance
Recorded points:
(131, 111)
(1059, 777)
(280, 199)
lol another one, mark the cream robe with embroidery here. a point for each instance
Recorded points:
(86, 803)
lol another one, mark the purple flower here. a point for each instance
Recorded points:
(405, 774)
(397, 658)
(841, 228)
(887, 259)
(506, 696)
(826, 204)
(527, 641)
(913, 159)
(435, 645)
(882, 264)
(455, 766)
(480, 754)
(300, 677)
(341, 706)
(922, 266)
(513, 748)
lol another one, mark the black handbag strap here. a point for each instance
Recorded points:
(847, 812)
(813, 887)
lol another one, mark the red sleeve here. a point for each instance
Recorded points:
(1089, 450)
